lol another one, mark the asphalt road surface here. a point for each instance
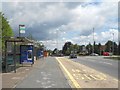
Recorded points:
(81, 76)
(46, 74)
(98, 63)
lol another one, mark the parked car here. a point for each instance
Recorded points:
(73, 56)
(94, 54)
(107, 54)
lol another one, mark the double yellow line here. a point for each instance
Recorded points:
(75, 83)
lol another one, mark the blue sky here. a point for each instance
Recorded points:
(73, 21)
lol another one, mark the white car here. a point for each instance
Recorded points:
(94, 54)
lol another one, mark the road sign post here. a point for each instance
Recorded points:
(21, 29)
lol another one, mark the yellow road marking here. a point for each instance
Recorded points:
(115, 80)
(73, 70)
(87, 76)
(69, 75)
(74, 75)
(82, 77)
(93, 77)
(77, 70)
(103, 74)
(100, 78)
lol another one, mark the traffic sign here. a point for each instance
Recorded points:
(21, 28)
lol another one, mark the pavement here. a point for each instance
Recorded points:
(46, 73)
(11, 79)
(82, 76)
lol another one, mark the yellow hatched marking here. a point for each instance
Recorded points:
(73, 70)
(69, 75)
(82, 78)
(77, 70)
(100, 78)
(93, 77)
(74, 75)
(87, 77)
(103, 74)
(115, 80)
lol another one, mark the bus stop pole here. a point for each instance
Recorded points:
(14, 57)
(6, 56)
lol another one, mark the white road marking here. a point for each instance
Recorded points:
(106, 63)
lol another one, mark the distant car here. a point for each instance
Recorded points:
(94, 54)
(106, 53)
(73, 56)
(60, 55)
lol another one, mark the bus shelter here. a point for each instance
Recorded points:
(10, 58)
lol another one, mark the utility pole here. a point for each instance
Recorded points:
(57, 39)
(113, 44)
(93, 40)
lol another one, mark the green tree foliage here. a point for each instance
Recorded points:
(5, 29)
(99, 51)
(66, 48)
(110, 48)
(96, 48)
(55, 51)
(89, 48)
(119, 48)
(69, 48)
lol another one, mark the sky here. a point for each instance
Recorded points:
(54, 23)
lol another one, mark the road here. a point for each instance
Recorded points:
(46, 74)
(98, 63)
(82, 76)
(61, 72)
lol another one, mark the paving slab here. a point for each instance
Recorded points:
(45, 74)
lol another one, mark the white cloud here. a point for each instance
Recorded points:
(45, 18)
(102, 37)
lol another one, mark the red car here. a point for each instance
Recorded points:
(106, 53)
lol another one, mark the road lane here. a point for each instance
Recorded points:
(98, 63)
(87, 77)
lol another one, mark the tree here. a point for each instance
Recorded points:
(66, 48)
(116, 48)
(5, 29)
(99, 46)
(119, 48)
(55, 51)
(108, 46)
(89, 48)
